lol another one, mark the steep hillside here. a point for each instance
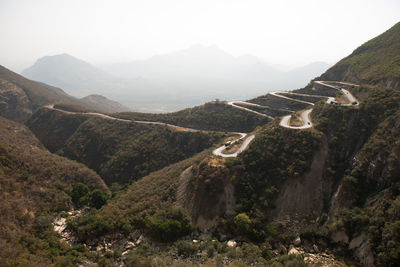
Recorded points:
(34, 186)
(319, 193)
(152, 206)
(20, 97)
(335, 186)
(118, 151)
(213, 116)
(363, 167)
(375, 62)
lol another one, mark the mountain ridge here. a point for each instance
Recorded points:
(21, 97)
(375, 62)
(172, 81)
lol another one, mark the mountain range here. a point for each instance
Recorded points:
(172, 81)
(83, 188)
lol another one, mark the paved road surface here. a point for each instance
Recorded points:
(233, 104)
(292, 99)
(245, 144)
(305, 117)
(217, 152)
(104, 116)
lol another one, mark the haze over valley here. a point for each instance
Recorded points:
(172, 81)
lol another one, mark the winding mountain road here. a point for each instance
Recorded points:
(233, 104)
(285, 121)
(288, 98)
(246, 142)
(217, 152)
(304, 115)
(104, 116)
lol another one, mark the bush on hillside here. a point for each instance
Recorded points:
(167, 226)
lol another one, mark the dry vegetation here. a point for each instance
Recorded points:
(215, 116)
(33, 186)
(295, 119)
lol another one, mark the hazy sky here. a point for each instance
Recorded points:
(288, 32)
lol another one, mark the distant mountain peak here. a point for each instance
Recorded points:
(65, 71)
(62, 58)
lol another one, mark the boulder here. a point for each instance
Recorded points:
(297, 241)
(125, 253)
(130, 245)
(293, 251)
(139, 240)
(231, 243)
(60, 221)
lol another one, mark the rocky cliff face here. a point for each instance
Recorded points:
(207, 193)
(303, 197)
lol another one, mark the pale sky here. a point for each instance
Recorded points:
(287, 32)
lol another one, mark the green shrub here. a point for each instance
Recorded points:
(97, 198)
(169, 225)
(89, 225)
(242, 223)
(354, 221)
(185, 248)
(78, 193)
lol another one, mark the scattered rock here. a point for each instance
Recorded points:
(195, 241)
(139, 240)
(60, 221)
(293, 251)
(59, 225)
(297, 241)
(130, 245)
(231, 243)
(125, 253)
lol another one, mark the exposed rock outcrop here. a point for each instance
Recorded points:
(303, 196)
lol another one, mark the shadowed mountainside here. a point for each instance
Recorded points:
(119, 151)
